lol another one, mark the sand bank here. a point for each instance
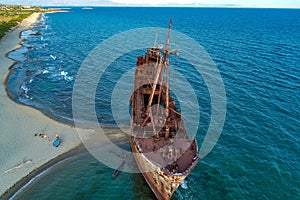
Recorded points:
(21, 151)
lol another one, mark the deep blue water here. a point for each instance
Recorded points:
(257, 52)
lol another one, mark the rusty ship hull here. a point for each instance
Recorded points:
(159, 140)
(162, 183)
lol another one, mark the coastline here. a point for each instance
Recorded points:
(80, 149)
(19, 124)
(46, 168)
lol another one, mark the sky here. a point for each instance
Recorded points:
(211, 3)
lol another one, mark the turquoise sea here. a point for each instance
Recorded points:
(257, 52)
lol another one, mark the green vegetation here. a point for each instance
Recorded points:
(11, 15)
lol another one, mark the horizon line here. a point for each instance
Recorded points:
(166, 6)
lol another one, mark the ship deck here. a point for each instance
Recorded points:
(175, 155)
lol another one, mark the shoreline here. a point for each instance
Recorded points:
(19, 123)
(10, 69)
(55, 162)
(80, 149)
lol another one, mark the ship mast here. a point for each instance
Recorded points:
(167, 66)
(162, 66)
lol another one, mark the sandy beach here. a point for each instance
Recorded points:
(21, 151)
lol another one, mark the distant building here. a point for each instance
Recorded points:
(3, 7)
(26, 7)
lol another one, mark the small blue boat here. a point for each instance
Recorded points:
(56, 142)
